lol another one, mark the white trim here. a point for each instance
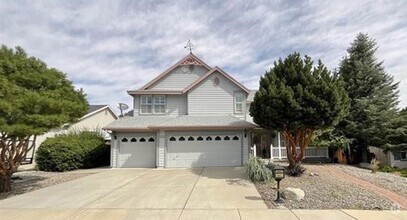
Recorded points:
(279, 145)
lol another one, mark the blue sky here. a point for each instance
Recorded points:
(109, 47)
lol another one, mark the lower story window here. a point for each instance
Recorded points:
(400, 155)
(403, 155)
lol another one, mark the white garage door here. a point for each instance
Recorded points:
(137, 150)
(207, 149)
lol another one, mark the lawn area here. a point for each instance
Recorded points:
(324, 190)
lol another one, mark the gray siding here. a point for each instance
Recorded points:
(208, 99)
(179, 78)
(176, 105)
(136, 105)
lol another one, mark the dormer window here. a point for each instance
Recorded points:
(238, 100)
(150, 104)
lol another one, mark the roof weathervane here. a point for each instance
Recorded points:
(189, 46)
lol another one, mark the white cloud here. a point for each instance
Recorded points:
(109, 47)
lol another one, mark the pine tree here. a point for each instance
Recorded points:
(373, 96)
(397, 136)
(297, 99)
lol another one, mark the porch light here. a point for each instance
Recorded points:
(278, 175)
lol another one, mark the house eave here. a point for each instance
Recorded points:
(154, 92)
(127, 129)
(199, 128)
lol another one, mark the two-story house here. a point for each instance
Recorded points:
(191, 115)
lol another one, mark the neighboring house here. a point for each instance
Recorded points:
(95, 119)
(191, 115)
(394, 159)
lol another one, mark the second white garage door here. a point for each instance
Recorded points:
(137, 150)
(209, 149)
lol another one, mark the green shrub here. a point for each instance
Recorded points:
(257, 170)
(387, 169)
(403, 173)
(297, 170)
(76, 150)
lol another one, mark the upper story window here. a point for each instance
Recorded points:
(159, 104)
(146, 104)
(238, 100)
(150, 104)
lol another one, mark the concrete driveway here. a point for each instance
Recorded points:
(141, 194)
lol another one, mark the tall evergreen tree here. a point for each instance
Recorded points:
(297, 99)
(33, 99)
(373, 96)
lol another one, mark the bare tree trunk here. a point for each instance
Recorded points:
(301, 139)
(5, 183)
(290, 148)
(13, 151)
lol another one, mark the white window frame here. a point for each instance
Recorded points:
(235, 102)
(146, 104)
(153, 104)
(163, 105)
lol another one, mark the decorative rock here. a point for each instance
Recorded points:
(314, 174)
(293, 194)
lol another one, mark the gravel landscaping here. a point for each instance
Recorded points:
(325, 191)
(388, 181)
(27, 181)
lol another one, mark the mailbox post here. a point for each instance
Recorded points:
(278, 175)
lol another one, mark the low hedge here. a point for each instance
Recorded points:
(72, 151)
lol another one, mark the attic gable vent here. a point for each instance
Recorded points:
(190, 61)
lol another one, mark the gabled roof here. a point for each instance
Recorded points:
(93, 109)
(214, 70)
(189, 59)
